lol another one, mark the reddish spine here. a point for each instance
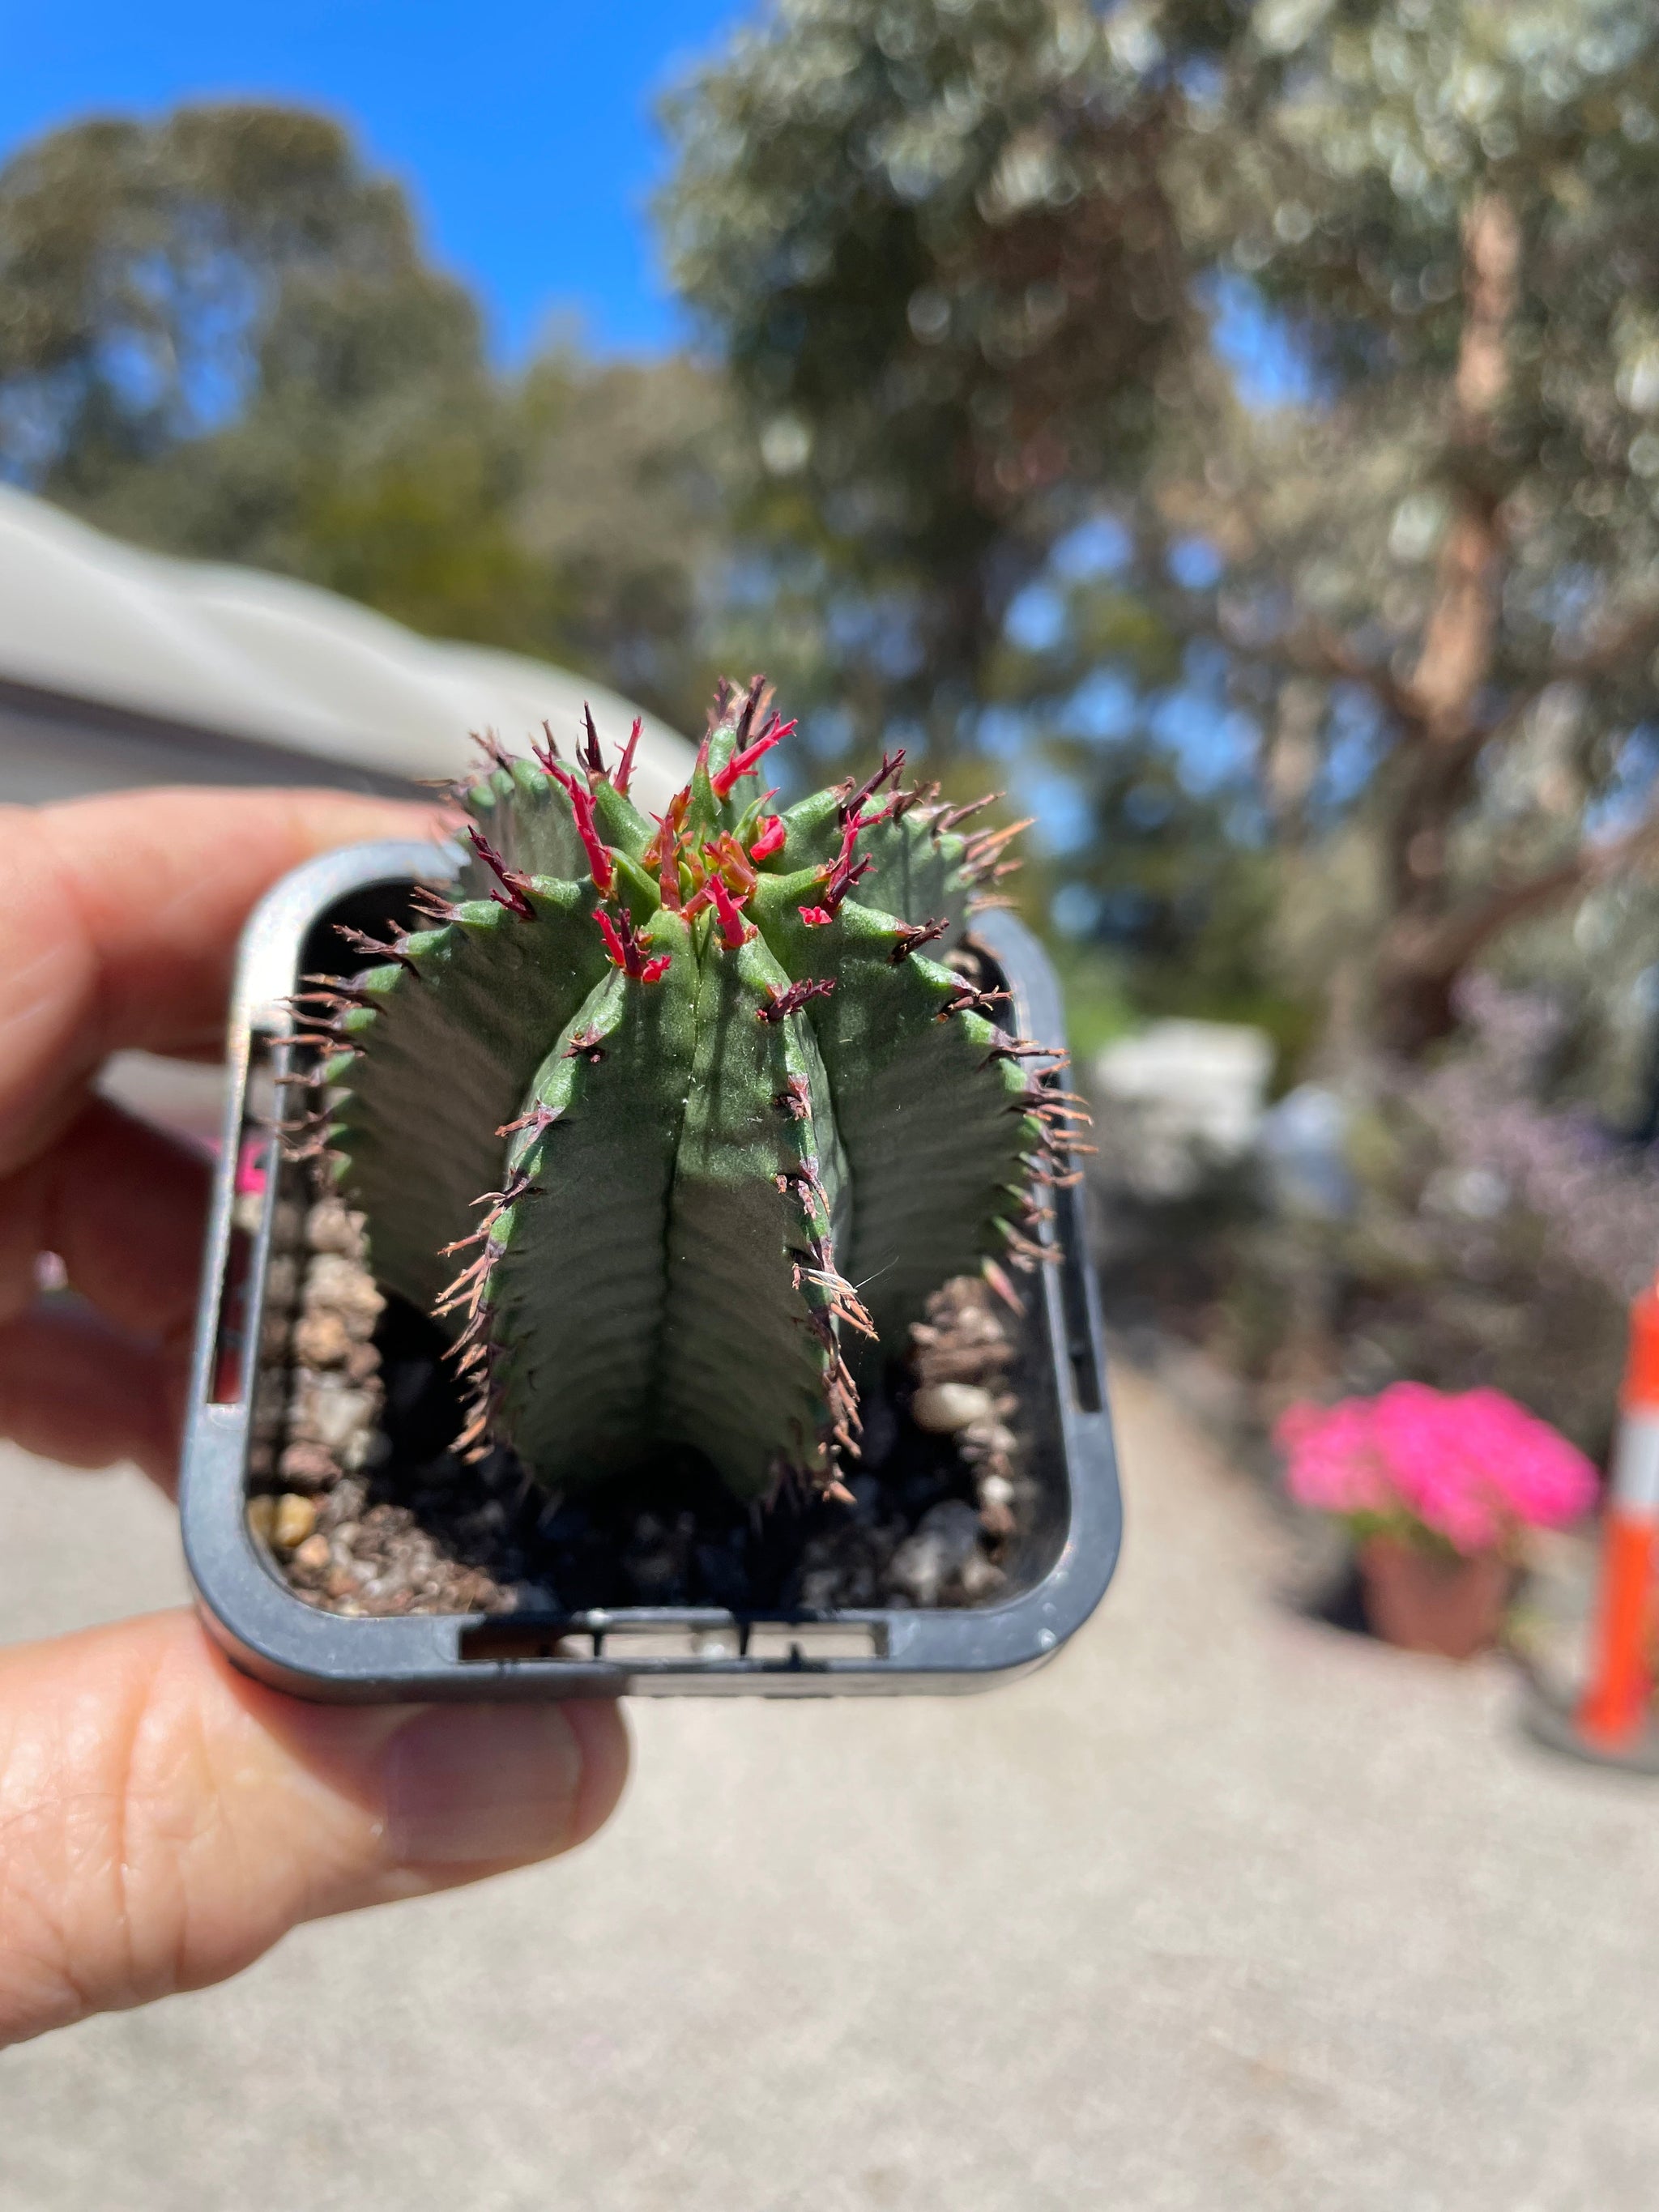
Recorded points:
(744, 762)
(515, 893)
(854, 801)
(790, 1001)
(734, 930)
(600, 864)
(621, 942)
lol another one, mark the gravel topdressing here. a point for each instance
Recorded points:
(361, 1506)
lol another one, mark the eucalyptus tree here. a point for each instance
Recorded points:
(930, 241)
(1443, 549)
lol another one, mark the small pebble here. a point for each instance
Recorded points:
(331, 1280)
(362, 1363)
(320, 1339)
(360, 1450)
(261, 1518)
(944, 1408)
(295, 1518)
(307, 1467)
(331, 1228)
(946, 1537)
(995, 1490)
(326, 1412)
(978, 1577)
(988, 1438)
(312, 1557)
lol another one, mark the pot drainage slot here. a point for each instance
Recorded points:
(1082, 1345)
(672, 1640)
(800, 1642)
(230, 1338)
(502, 1642)
(256, 1165)
(774, 1643)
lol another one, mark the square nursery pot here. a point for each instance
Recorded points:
(1056, 1573)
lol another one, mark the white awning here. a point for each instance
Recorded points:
(207, 662)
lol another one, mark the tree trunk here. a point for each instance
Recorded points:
(1440, 748)
(1413, 1000)
(1288, 762)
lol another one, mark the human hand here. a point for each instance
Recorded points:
(162, 1821)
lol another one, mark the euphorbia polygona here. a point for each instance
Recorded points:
(728, 1118)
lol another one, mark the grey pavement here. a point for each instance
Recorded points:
(1222, 1910)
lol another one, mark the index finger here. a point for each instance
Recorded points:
(119, 921)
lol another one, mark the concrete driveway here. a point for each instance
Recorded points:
(1224, 1910)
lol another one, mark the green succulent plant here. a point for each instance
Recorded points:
(698, 1117)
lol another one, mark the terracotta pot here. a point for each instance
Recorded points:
(1423, 1602)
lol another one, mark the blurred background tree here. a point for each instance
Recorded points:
(219, 336)
(1236, 428)
(1435, 562)
(933, 248)
(205, 319)
(930, 246)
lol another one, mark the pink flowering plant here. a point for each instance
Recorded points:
(1462, 1472)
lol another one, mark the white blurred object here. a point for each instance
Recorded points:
(120, 667)
(1304, 1154)
(185, 1097)
(1179, 1100)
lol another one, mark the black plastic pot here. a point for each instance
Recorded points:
(271, 1634)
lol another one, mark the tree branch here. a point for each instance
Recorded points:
(1450, 943)
(1318, 650)
(1637, 635)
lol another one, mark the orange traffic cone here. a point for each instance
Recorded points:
(1613, 1712)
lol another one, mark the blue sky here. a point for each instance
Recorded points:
(524, 131)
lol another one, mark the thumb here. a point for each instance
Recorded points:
(163, 1820)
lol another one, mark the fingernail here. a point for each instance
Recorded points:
(466, 1783)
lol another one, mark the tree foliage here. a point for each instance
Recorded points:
(1452, 535)
(931, 244)
(226, 266)
(1340, 319)
(220, 335)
